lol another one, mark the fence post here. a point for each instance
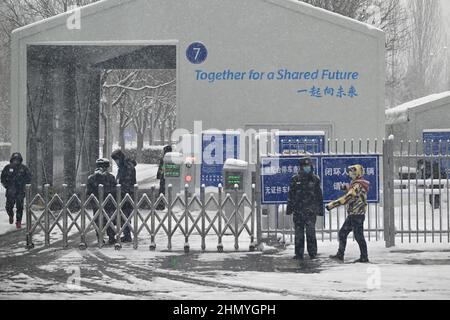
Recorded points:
(30, 244)
(152, 218)
(65, 215)
(46, 216)
(135, 218)
(258, 193)
(101, 195)
(253, 245)
(220, 244)
(118, 245)
(388, 192)
(83, 244)
(186, 219)
(169, 218)
(203, 201)
(236, 215)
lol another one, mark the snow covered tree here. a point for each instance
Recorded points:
(424, 56)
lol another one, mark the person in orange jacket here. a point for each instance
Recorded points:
(355, 201)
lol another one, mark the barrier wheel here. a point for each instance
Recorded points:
(220, 248)
(118, 247)
(82, 246)
(153, 247)
(186, 249)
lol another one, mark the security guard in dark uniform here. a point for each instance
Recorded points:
(102, 177)
(305, 202)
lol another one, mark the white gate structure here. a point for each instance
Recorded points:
(216, 216)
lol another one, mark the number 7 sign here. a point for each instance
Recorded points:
(197, 53)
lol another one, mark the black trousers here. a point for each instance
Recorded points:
(127, 210)
(110, 231)
(353, 223)
(305, 224)
(18, 203)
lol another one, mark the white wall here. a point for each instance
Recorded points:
(240, 35)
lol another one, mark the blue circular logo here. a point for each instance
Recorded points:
(197, 53)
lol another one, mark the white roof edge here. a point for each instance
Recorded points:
(294, 5)
(436, 130)
(219, 132)
(329, 16)
(432, 98)
(300, 133)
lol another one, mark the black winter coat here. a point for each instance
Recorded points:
(14, 179)
(126, 177)
(101, 178)
(305, 196)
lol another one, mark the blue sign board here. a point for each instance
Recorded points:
(277, 174)
(437, 143)
(216, 149)
(334, 175)
(197, 53)
(288, 144)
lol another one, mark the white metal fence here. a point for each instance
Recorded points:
(214, 217)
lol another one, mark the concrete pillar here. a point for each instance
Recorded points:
(69, 125)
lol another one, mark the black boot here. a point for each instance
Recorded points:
(126, 239)
(339, 257)
(297, 257)
(362, 260)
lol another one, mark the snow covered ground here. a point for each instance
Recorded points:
(404, 272)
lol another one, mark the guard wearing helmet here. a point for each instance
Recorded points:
(15, 176)
(103, 177)
(305, 202)
(355, 201)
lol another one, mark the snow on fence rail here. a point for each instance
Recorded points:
(217, 216)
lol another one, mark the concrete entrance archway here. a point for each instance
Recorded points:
(63, 99)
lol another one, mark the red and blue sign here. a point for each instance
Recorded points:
(277, 173)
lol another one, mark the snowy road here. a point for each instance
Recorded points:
(406, 272)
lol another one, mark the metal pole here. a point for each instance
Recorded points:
(388, 189)
(203, 213)
(152, 227)
(118, 245)
(220, 244)
(46, 216)
(101, 195)
(187, 247)
(252, 236)
(83, 244)
(135, 218)
(236, 220)
(30, 244)
(65, 217)
(169, 218)
(258, 194)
